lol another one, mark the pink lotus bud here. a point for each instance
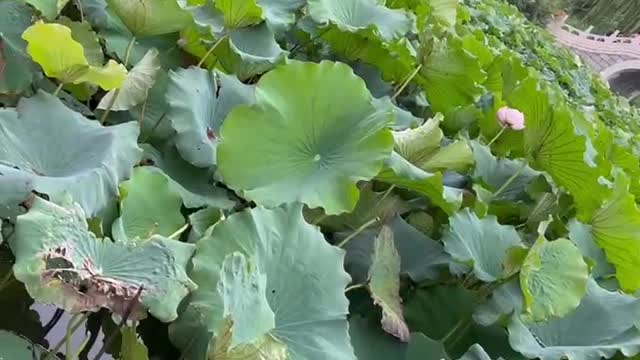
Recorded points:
(512, 118)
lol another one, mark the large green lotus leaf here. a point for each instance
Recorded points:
(61, 262)
(480, 244)
(304, 285)
(239, 13)
(149, 205)
(553, 278)
(384, 284)
(554, 145)
(395, 59)
(17, 347)
(67, 61)
(199, 101)
(250, 51)
(603, 324)
(150, 17)
(400, 172)
(88, 162)
(451, 75)
(421, 258)
(15, 189)
(422, 146)
(17, 71)
(494, 173)
(361, 15)
(135, 88)
(615, 227)
(195, 185)
(582, 236)
(307, 142)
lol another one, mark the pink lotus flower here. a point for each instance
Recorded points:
(512, 118)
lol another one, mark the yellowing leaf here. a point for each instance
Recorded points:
(384, 284)
(136, 88)
(61, 57)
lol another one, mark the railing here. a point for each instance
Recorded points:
(586, 41)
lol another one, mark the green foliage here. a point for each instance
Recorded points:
(315, 179)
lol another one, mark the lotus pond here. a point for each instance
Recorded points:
(310, 180)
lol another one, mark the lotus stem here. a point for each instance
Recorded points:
(354, 287)
(117, 92)
(510, 180)
(179, 232)
(406, 82)
(107, 342)
(80, 10)
(386, 194)
(55, 93)
(70, 330)
(358, 231)
(155, 126)
(504, 128)
(211, 49)
(320, 219)
(463, 323)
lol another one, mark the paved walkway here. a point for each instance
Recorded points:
(610, 55)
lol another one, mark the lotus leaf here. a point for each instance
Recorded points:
(421, 257)
(251, 51)
(135, 88)
(422, 146)
(62, 263)
(17, 71)
(554, 146)
(400, 172)
(570, 337)
(68, 62)
(89, 162)
(286, 275)
(149, 205)
(150, 17)
(384, 284)
(16, 347)
(307, 143)
(613, 228)
(239, 13)
(361, 15)
(553, 278)
(195, 185)
(451, 75)
(480, 244)
(199, 101)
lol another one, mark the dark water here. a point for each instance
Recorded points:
(58, 333)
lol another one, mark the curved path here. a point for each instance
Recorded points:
(612, 55)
